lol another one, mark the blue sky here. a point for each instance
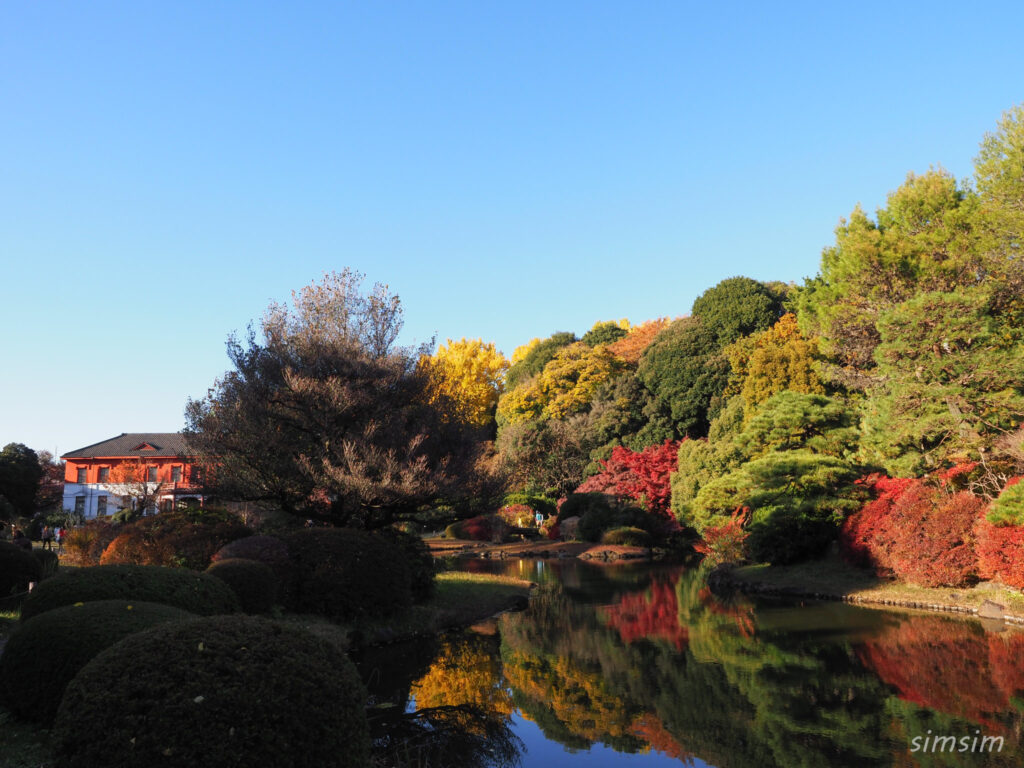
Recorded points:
(510, 170)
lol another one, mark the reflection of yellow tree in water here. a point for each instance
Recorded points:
(466, 671)
(577, 698)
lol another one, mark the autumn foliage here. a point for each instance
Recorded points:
(642, 476)
(1000, 538)
(726, 543)
(631, 347)
(917, 532)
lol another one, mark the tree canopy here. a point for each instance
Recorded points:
(325, 417)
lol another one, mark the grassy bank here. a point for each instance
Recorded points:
(832, 578)
(460, 599)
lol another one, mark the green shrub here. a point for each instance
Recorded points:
(48, 562)
(418, 558)
(346, 574)
(218, 692)
(17, 569)
(46, 652)
(627, 536)
(254, 583)
(188, 590)
(599, 512)
(1008, 509)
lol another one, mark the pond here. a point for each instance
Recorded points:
(639, 665)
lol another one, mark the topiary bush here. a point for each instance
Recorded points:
(197, 593)
(18, 568)
(47, 651)
(627, 536)
(48, 562)
(599, 512)
(265, 549)
(254, 583)
(417, 556)
(217, 692)
(346, 574)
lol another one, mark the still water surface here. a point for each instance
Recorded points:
(636, 666)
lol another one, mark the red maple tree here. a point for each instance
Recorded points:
(641, 476)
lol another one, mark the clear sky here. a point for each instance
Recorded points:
(509, 169)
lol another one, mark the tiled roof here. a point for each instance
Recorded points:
(134, 444)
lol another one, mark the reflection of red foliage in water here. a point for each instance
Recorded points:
(950, 666)
(740, 612)
(653, 614)
(650, 728)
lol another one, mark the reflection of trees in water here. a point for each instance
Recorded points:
(950, 676)
(673, 668)
(461, 736)
(732, 695)
(466, 670)
(463, 710)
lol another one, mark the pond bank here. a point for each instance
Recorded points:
(539, 548)
(832, 579)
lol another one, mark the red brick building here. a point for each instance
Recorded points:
(150, 466)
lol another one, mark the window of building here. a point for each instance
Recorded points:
(81, 475)
(80, 505)
(101, 505)
(175, 474)
(166, 505)
(104, 474)
(151, 474)
(197, 475)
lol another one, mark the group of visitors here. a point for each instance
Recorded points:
(53, 537)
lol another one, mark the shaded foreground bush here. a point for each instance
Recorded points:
(418, 558)
(226, 691)
(194, 592)
(346, 574)
(46, 652)
(265, 549)
(254, 583)
(17, 569)
(48, 562)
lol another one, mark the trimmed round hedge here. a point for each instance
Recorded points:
(345, 574)
(45, 653)
(417, 556)
(265, 549)
(17, 569)
(216, 692)
(254, 583)
(627, 536)
(197, 593)
(48, 562)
